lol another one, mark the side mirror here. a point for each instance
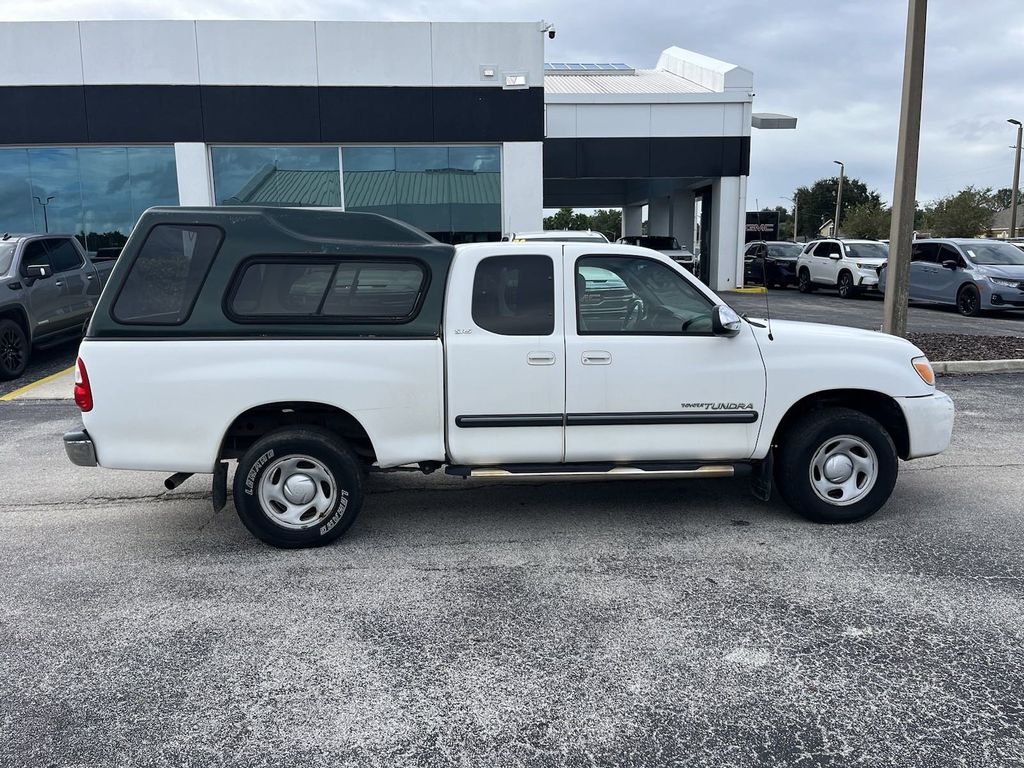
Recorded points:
(949, 264)
(724, 321)
(35, 272)
(836, 256)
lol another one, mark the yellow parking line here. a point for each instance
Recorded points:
(34, 384)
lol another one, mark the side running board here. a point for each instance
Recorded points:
(599, 471)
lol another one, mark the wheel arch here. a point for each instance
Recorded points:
(879, 406)
(255, 422)
(19, 316)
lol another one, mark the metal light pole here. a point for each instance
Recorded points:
(839, 198)
(46, 219)
(1016, 180)
(901, 233)
(796, 215)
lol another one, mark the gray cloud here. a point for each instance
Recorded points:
(837, 65)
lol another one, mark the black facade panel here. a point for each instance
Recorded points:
(488, 114)
(43, 114)
(660, 157)
(257, 113)
(143, 113)
(560, 159)
(376, 114)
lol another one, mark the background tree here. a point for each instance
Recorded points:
(785, 221)
(968, 213)
(869, 221)
(817, 203)
(606, 221)
(1002, 198)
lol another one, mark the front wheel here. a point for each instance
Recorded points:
(13, 350)
(847, 290)
(298, 487)
(968, 301)
(836, 466)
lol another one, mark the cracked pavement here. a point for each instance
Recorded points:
(460, 623)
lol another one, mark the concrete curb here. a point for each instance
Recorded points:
(978, 366)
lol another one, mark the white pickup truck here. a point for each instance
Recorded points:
(316, 346)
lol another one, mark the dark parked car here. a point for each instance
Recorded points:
(663, 244)
(770, 262)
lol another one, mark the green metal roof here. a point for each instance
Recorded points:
(278, 186)
(435, 187)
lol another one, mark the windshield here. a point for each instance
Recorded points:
(6, 254)
(994, 253)
(867, 250)
(784, 250)
(659, 243)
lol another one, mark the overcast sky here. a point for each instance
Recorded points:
(835, 64)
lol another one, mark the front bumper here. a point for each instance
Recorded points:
(80, 448)
(929, 423)
(867, 277)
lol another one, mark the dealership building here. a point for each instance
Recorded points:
(460, 129)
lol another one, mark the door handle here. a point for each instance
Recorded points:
(541, 358)
(59, 283)
(88, 277)
(597, 357)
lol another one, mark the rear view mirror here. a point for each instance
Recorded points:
(949, 264)
(35, 272)
(724, 321)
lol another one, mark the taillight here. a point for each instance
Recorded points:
(83, 392)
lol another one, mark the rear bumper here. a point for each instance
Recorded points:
(80, 448)
(929, 423)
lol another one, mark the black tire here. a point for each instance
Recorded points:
(816, 430)
(804, 284)
(339, 508)
(968, 301)
(14, 350)
(845, 286)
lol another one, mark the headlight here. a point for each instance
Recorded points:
(924, 370)
(866, 266)
(1004, 281)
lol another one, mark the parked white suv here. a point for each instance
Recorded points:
(849, 266)
(314, 347)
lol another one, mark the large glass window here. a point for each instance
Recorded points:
(96, 193)
(452, 193)
(292, 176)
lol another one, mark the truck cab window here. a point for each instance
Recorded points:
(35, 255)
(627, 294)
(64, 257)
(515, 295)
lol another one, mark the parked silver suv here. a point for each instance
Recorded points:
(971, 274)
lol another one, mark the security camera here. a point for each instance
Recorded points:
(551, 34)
(547, 26)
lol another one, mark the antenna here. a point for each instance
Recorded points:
(764, 272)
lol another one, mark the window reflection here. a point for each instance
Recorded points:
(98, 193)
(298, 176)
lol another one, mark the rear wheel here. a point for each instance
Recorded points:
(847, 290)
(299, 487)
(968, 301)
(13, 350)
(836, 466)
(804, 284)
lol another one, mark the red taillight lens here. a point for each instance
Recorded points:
(83, 392)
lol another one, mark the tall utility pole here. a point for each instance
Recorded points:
(46, 219)
(904, 193)
(839, 198)
(796, 215)
(1016, 181)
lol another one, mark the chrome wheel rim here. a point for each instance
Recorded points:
(844, 285)
(843, 470)
(297, 492)
(12, 352)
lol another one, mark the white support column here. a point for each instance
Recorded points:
(682, 217)
(728, 222)
(632, 220)
(195, 187)
(658, 216)
(522, 186)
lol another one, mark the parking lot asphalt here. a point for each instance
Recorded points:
(460, 623)
(865, 311)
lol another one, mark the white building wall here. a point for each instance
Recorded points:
(195, 185)
(728, 222)
(522, 186)
(139, 52)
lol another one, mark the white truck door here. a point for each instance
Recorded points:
(645, 377)
(505, 355)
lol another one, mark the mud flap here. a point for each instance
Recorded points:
(219, 492)
(761, 478)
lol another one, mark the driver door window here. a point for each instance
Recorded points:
(631, 295)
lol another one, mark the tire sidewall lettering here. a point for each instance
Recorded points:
(257, 467)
